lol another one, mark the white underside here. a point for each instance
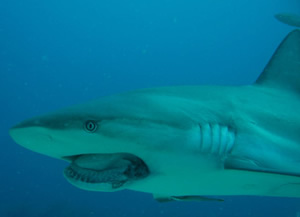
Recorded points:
(191, 175)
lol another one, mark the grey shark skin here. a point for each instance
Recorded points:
(185, 140)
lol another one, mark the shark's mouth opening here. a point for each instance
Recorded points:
(105, 172)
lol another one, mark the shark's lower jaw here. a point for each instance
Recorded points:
(105, 172)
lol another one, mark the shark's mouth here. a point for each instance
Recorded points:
(105, 172)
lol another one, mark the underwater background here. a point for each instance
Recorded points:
(56, 53)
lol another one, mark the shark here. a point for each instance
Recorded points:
(183, 143)
(289, 19)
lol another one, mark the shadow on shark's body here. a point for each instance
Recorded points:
(180, 142)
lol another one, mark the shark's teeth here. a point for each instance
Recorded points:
(216, 139)
(112, 171)
(91, 176)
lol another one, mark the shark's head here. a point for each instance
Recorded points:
(103, 140)
(96, 138)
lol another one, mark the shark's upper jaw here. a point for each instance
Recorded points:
(55, 135)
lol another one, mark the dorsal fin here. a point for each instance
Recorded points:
(283, 70)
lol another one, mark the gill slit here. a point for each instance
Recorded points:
(216, 139)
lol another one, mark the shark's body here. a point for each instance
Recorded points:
(177, 141)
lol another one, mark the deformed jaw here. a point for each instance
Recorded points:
(89, 168)
(105, 172)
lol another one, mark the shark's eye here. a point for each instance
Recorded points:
(90, 126)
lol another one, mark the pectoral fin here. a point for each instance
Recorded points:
(163, 198)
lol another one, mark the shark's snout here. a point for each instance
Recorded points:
(33, 122)
(23, 128)
(29, 137)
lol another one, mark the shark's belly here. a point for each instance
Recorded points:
(194, 175)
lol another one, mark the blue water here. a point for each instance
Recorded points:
(55, 53)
